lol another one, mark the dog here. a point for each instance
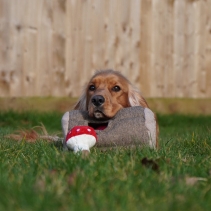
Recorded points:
(106, 93)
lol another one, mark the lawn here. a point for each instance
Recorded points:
(40, 176)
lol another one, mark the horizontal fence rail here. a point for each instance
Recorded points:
(52, 47)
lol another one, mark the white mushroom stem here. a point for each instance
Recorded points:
(81, 142)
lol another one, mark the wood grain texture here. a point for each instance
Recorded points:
(52, 47)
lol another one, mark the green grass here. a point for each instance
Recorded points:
(40, 176)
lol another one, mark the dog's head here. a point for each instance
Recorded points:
(106, 93)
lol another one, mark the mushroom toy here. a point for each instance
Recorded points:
(81, 138)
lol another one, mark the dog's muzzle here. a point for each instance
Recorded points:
(97, 100)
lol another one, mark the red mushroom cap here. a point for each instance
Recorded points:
(80, 130)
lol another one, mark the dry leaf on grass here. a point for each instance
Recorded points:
(32, 135)
(72, 178)
(28, 135)
(193, 180)
(149, 163)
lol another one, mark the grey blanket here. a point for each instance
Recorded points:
(131, 126)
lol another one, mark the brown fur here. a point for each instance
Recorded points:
(104, 82)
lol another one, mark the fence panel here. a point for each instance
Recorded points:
(51, 47)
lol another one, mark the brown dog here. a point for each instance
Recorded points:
(106, 93)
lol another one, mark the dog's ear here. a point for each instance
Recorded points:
(135, 98)
(81, 104)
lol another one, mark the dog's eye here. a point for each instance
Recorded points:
(91, 87)
(116, 89)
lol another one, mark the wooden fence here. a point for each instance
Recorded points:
(51, 47)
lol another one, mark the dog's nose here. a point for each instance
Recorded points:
(98, 100)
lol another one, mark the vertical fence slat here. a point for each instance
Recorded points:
(179, 46)
(30, 30)
(208, 48)
(5, 25)
(58, 47)
(201, 44)
(145, 48)
(44, 48)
